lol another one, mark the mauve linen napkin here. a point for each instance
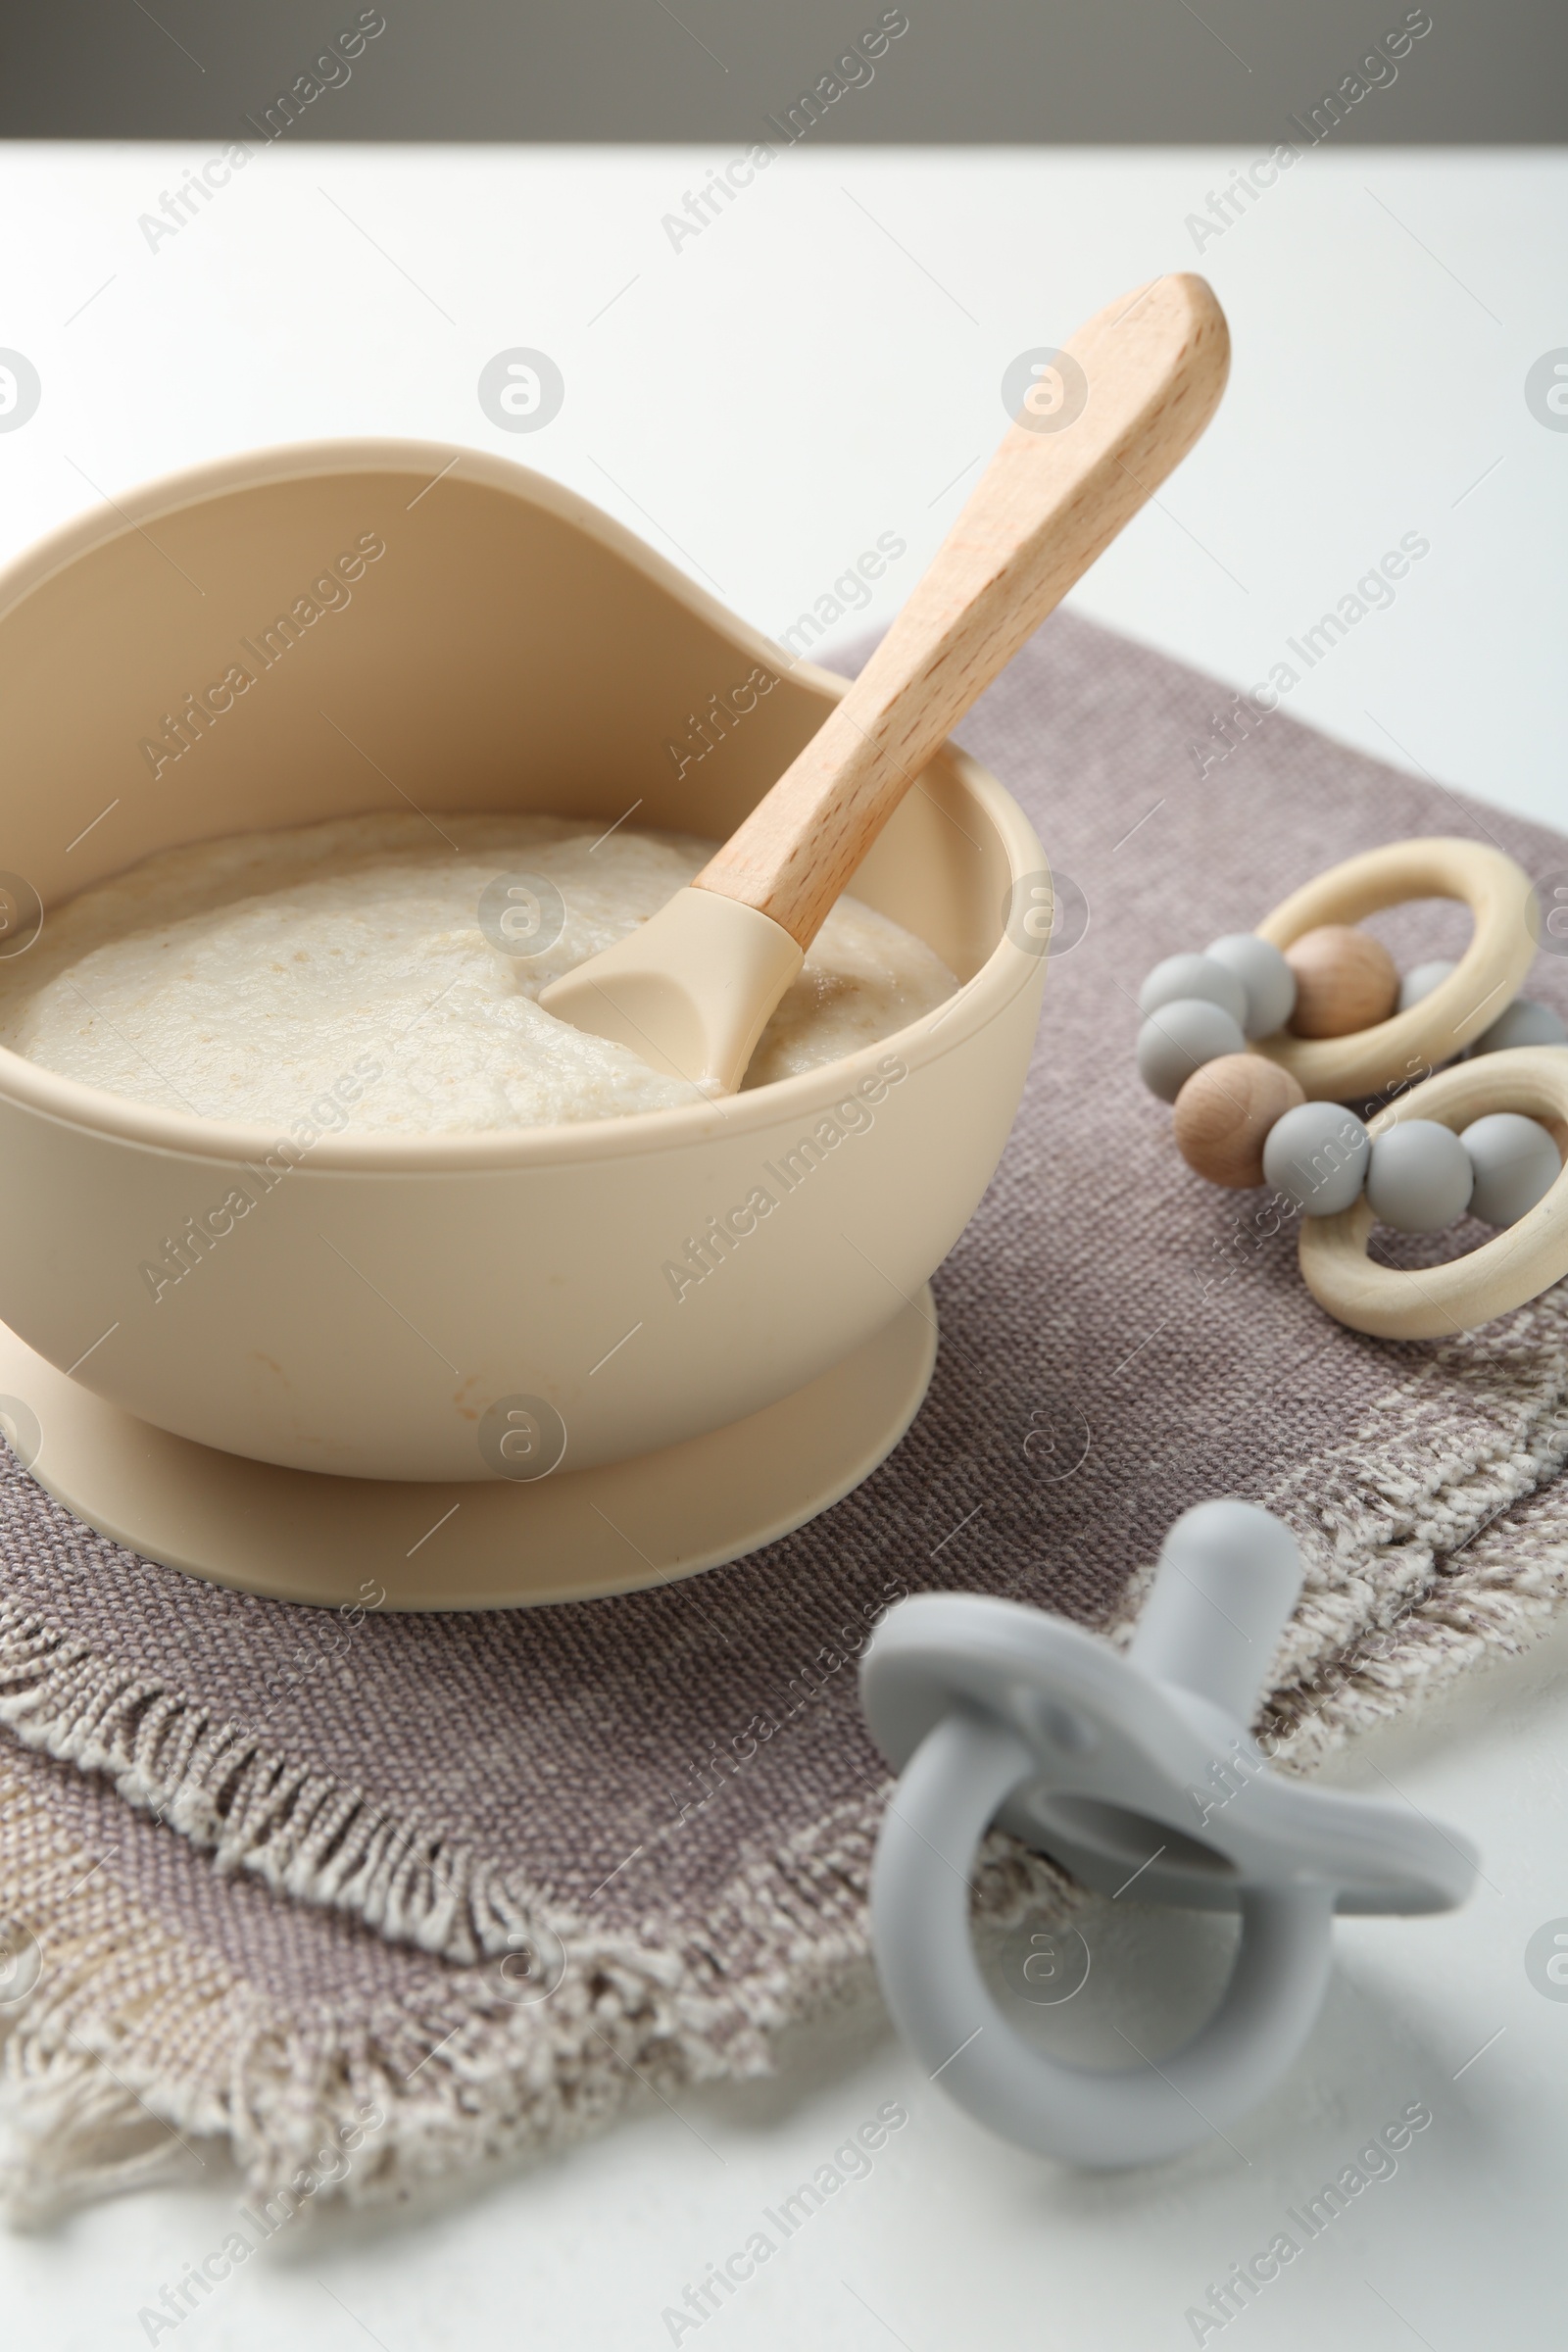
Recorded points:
(473, 1871)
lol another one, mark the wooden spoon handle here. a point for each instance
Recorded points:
(1153, 367)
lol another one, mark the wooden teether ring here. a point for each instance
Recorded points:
(1518, 1264)
(1487, 978)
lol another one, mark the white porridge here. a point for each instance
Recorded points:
(243, 979)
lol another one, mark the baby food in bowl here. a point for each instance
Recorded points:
(392, 963)
(257, 1331)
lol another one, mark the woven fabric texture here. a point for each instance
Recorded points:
(658, 1811)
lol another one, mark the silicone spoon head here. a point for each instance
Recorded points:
(691, 991)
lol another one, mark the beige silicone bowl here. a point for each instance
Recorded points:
(512, 648)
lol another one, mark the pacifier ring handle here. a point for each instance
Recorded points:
(959, 1778)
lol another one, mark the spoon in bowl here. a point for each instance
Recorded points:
(692, 990)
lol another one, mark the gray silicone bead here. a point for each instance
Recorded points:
(1525, 1023)
(1264, 974)
(1420, 1178)
(1179, 1039)
(1317, 1154)
(1516, 1162)
(1421, 980)
(1181, 977)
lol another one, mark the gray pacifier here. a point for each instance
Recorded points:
(1115, 1763)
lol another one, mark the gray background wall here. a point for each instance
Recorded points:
(1025, 71)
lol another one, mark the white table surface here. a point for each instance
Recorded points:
(819, 365)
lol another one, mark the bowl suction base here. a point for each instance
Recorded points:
(300, 1535)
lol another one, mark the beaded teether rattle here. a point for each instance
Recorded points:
(1111, 1763)
(1263, 1042)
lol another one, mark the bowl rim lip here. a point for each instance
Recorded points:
(1004, 974)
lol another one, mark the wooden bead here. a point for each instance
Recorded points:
(1346, 980)
(1224, 1112)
